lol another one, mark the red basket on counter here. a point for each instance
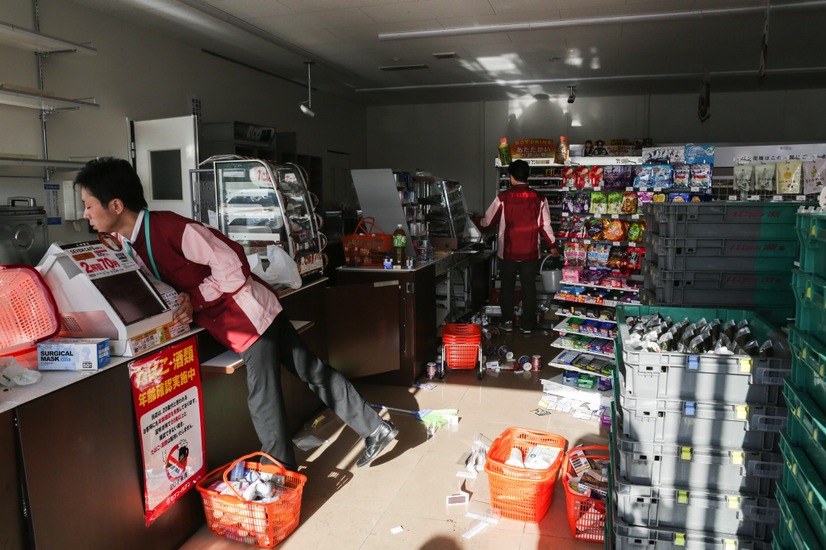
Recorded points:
(28, 314)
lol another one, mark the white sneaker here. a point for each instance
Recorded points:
(506, 326)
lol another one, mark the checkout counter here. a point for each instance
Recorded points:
(72, 467)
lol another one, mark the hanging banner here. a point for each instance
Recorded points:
(166, 388)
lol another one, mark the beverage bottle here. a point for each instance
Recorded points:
(399, 246)
(562, 150)
(504, 152)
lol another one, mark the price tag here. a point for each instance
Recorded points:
(800, 198)
(586, 241)
(614, 216)
(635, 216)
(565, 214)
(629, 188)
(695, 189)
(754, 198)
(658, 189)
(616, 243)
(777, 198)
(597, 188)
(643, 188)
(732, 197)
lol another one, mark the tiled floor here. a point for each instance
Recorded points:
(348, 508)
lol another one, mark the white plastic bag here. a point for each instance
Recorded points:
(281, 271)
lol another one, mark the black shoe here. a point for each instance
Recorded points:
(375, 443)
(507, 326)
(526, 330)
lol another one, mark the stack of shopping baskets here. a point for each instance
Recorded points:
(802, 494)
(696, 432)
(462, 347)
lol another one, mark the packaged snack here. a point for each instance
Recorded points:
(678, 197)
(743, 177)
(598, 203)
(659, 197)
(682, 176)
(699, 154)
(582, 201)
(583, 176)
(629, 203)
(568, 202)
(614, 230)
(642, 198)
(572, 273)
(617, 177)
(789, 177)
(635, 231)
(616, 258)
(699, 197)
(701, 175)
(643, 176)
(568, 176)
(814, 175)
(594, 229)
(564, 229)
(633, 257)
(662, 175)
(597, 176)
(578, 229)
(764, 177)
(614, 203)
(598, 255)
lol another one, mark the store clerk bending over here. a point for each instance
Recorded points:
(219, 293)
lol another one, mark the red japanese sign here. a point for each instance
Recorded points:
(166, 388)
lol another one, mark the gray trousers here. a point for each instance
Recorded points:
(281, 345)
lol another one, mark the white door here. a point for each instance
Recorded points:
(164, 151)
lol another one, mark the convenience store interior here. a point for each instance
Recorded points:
(435, 103)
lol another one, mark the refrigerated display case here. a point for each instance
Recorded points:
(260, 203)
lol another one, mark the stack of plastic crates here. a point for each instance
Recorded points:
(523, 494)
(802, 494)
(462, 347)
(695, 440)
(736, 255)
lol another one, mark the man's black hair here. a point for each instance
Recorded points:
(520, 170)
(108, 178)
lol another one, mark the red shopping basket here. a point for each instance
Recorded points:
(257, 523)
(29, 313)
(462, 345)
(586, 515)
(522, 493)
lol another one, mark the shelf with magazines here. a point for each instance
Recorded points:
(584, 362)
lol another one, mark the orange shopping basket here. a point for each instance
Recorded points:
(462, 347)
(586, 514)
(522, 493)
(257, 523)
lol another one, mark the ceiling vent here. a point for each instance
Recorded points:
(403, 67)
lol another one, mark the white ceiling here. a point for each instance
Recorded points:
(603, 47)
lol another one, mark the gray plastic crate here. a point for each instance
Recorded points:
(778, 315)
(751, 427)
(720, 253)
(697, 510)
(740, 220)
(709, 468)
(636, 537)
(733, 288)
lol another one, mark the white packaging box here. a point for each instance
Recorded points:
(73, 354)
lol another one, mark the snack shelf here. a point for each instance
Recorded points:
(641, 189)
(563, 313)
(556, 343)
(596, 301)
(604, 216)
(563, 328)
(565, 366)
(589, 285)
(597, 241)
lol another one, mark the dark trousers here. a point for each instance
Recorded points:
(527, 276)
(281, 345)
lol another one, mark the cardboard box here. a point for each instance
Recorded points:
(73, 354)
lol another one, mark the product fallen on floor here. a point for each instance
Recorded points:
(586, 485)
(259, 523)
(560, 395)
(521, 493)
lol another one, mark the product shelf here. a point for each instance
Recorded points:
(604, 287)
(594, 301)
(563, 313)
(567, 366)
(564, 328)
(598, 241)
(558, 344)
(603, 216)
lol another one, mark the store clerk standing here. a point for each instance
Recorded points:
(522, 215)
(217, 291)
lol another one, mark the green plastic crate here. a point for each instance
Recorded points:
(810, 297)
(809, 365)
(804, 486)
(811, 232)
(793, 532)
(806, 427)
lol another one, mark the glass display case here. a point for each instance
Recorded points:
(260, 203)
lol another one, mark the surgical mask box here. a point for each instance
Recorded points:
(86, 354)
